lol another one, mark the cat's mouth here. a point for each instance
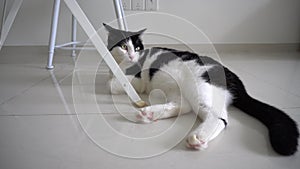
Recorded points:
(131, 58)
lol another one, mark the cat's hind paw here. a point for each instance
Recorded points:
(194, 142)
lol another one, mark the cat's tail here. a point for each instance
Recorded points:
(283, 131)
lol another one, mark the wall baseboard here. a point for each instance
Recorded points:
(284, 47)
(237, 47)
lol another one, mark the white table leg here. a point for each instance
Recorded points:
(9, 20)
(103, 51)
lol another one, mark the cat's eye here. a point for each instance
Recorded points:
(137, 48)
(124, 47)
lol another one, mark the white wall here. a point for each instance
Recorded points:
(223, 21)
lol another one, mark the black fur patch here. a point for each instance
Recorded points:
(117, 37)
(161, 60)
(137, 42)
(172, 54)
(224, 121)
(153, 51)
(221, 76)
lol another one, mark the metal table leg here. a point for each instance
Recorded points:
(120, 14)
(74, 33)
(53, 33)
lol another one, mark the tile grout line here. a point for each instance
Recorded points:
(25, 90)
(266, 82)
(57, 114)
(287, 108)
(254, 76)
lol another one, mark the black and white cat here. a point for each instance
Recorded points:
(193, 83)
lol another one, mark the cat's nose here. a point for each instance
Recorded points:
(131, 56)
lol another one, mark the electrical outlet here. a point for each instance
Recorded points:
(137, 5)
(126, 5)
(151, 5)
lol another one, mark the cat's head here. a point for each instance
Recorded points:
(124, 45)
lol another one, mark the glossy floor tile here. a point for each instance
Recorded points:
(40, 127)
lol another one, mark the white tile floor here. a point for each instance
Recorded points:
(40, 129)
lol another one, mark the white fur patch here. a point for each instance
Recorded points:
(123, 55)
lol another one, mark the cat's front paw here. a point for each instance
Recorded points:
(195, 141)
(146, 115)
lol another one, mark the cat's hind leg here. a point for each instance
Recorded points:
(212, 107)
(211, 127)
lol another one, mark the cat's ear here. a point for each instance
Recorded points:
(108, 28)
(141, 31)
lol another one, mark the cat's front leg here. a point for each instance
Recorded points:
(154, 112)
(115, 87)
(161, 111)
